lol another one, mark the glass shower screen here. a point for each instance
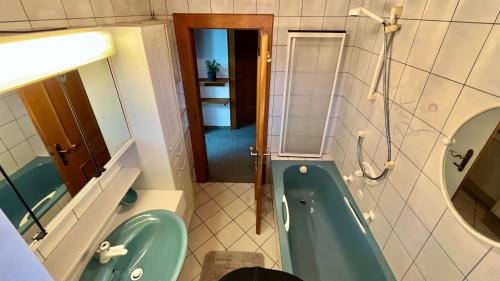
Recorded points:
(312, 63)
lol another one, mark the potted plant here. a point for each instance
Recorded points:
(212, 67)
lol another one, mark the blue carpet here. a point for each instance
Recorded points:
(228, 155)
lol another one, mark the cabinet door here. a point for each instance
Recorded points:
(162, 76)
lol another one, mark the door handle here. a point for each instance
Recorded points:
(465, 159)
(62, 152)
(254, 153)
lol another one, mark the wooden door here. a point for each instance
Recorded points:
(261, 125)
(59, 130)
(76, 94)
(245, 68)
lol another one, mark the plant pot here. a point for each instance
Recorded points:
(212, 76)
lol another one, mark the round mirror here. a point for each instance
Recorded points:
(471, 174)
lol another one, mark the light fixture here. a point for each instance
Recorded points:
(32, 57)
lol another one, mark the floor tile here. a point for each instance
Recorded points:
(240, 188)
(269, 195)
(200, 198)
(211, 245)
(245, 244)
(235, 208)
(225, 197)
(267, 206)
(228, 211)
(229, 234)
(246, 219)
(207, 210)
(269, 217)
(215, 189)
(196, 188)
(204, 185)
(190, 269)
(270, 247)
(265, 232)
(195, 221)
(268, 262)
(198, 236)
(248, 197)
(218, 221)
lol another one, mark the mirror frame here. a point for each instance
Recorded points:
(448, 141)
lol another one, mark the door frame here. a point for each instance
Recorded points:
(184, 25)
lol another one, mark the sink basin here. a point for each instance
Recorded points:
(156, 241)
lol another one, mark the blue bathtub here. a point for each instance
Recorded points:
(327, 239)
(41, 187)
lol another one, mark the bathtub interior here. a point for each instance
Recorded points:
(324, 240)
(41, 187)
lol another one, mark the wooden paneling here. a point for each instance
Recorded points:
(232, 78)
(246, 51)
(261, 123)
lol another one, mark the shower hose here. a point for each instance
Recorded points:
(385, 90)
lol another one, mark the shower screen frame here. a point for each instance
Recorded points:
(290, 54)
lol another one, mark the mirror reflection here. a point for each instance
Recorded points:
(15, 207)
(56, 135)
(472, 173)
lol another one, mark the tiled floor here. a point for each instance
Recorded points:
(224, 220)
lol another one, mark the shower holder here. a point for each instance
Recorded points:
(372, 97)
(390, 165)
(391, 28)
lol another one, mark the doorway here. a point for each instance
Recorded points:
(228, 100)
(185, 26)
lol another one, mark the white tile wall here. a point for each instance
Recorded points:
(453, 44)
(19, 141)
(442, 70)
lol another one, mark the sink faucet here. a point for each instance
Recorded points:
(106, 252)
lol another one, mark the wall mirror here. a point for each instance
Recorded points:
(56, 135)
(471, 175)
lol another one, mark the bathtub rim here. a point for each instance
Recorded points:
(39, 162)
(278, 169)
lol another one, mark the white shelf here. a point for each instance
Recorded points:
(171, 200)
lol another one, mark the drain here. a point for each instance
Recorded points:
(303, 202)
(136, 274)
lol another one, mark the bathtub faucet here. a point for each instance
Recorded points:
(106, 252)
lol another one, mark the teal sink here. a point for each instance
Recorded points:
(156, 241)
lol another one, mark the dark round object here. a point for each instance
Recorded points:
(258, 274)
(130, 198)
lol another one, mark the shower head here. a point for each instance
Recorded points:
(356, 12)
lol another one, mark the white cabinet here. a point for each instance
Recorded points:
(143, 72)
